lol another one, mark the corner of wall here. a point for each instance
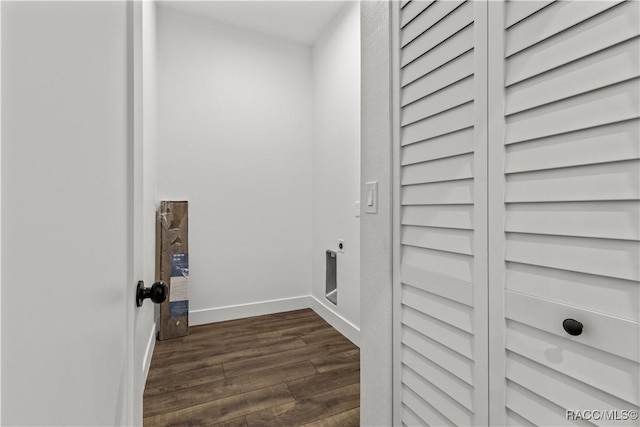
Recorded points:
(148, 354)
(342, 325)
(376, 234)
(336, 161)
(252, 221)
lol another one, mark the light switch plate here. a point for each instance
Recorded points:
(371, 197)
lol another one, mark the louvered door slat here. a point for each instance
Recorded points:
(438, 170)
(550, 21)
(456, 16)
(442, 239)
(457, 365)
(603, 31)
(565, 390)
(426, 414)
(516, 11)
(608, 105)
(450, 408)
(605, 181)
(601, 69)
(448, 145)
(413, 9)
(445, 286)
(606, 144)
(443, 76)
(515, 420)
(600, 369)
(605, 220)
(459, 391)
(444, 99)
(591, 292)
(443, 216)
(442, 123)
(536, 408)
(425, 21)
(458, 44)
(438, 193)
(450, 337)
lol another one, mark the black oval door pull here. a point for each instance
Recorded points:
(572, 327)
(157, 292)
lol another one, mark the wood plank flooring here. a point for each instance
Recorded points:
(284, 369)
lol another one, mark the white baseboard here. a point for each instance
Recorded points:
(151, 345)
(342, 325)
(240, 311)
(211, 315)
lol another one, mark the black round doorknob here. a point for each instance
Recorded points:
(572, 327)
(157, 292)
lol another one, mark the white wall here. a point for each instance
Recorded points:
(65, 213)
(375, 238)
(235, 139)
(336, 159)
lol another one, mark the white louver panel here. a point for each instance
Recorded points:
(571, 187)
(517, 207)
(442, 377)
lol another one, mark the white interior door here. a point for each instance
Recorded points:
(67, 213)
(440, 248)
(564, 215)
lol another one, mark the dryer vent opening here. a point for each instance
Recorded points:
(331, 287)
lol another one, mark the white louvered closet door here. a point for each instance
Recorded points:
(517, 206)
(441, 204)
(564, 214)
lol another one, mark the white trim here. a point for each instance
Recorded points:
(148, 354)
(133, 393)
(342, 325)
(0, 214)
(240, 311)
(232, 312)
(396, 307)
(127, 390)
(480, 217)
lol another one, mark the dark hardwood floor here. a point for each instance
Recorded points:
(284, 369)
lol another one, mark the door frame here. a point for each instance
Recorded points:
(396, 329)
(0, 211)
(135, 172)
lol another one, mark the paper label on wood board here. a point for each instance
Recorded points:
(179, 290)
(180, 265)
